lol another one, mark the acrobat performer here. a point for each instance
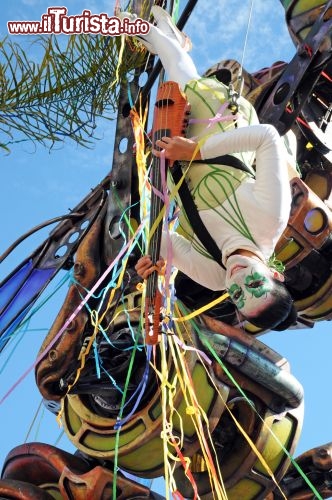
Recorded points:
(244, 215)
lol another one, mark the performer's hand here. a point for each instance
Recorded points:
(144, 266)
(177, 148)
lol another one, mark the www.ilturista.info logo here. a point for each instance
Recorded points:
(56, 21)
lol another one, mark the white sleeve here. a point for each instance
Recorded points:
(271, 189)
(185, 258)
(239, 140)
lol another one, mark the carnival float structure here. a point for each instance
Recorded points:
(207, 404)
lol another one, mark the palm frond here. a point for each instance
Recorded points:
(63, 94)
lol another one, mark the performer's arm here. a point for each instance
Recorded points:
(198, 267)
(271, 188)
(185, 258)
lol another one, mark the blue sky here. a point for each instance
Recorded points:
(38, 184)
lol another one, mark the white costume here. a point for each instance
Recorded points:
(253, 213)
(264, 203)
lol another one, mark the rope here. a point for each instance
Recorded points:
(239, 77)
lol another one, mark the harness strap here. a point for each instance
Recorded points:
(230, 161)
(190, 208)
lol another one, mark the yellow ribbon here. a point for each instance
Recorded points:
(193, 314)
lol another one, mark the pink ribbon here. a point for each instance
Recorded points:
(72, 316)
(216, 118)
(189, 348)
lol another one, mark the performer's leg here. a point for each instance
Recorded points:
(177, 63)
(167, 41)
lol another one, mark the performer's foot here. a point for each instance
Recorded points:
(166, 25)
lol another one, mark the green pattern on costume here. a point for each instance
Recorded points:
(211, 184)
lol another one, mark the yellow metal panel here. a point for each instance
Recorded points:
(315, 221)
(273, 452)
(146, 458)
(303, 5)
(323, 310)
(316, 298)
(104, 442)
(319, 184)
(53, 490)
(252, 329)
(205, 396)
(289, 251)
(155, 412)
(245, 489)
(73, 422)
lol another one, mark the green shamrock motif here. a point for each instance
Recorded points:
(257, 284)
(237, 295)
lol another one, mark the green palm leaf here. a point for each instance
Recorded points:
(64, 93)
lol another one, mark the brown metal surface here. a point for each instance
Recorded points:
(98, 483)
(62, 358)
(304, 201)
(316, 464)
(38, 463)
(19, 490)
(31, 470)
